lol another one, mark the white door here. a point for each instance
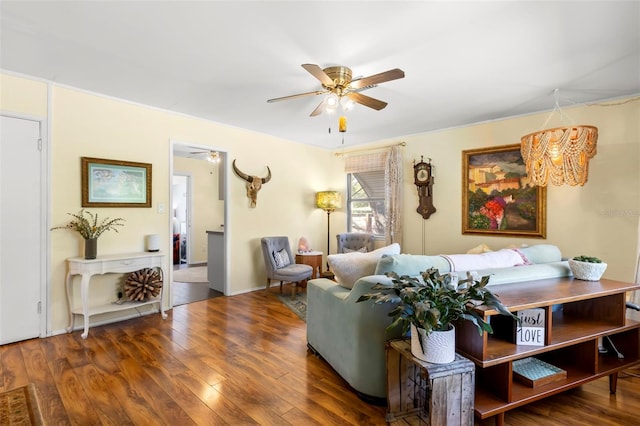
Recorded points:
(21, 237)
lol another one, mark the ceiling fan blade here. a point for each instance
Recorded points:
(318, 73)
(393, 74)
(299, 95)
(321, 107)
(366, 100)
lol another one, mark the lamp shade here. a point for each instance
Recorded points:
(559, 155)
(328, 200)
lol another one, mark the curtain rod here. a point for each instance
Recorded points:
(338, 154)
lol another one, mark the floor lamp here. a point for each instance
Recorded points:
(328, 201)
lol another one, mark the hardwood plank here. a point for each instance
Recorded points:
(51, 402)
(14, 372)
(220, 406)
(79, 406)
(235, 360)
(102, 398)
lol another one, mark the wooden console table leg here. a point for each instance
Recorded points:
(499, 419)
(613, 382)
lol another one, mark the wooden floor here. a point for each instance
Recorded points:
(232, 360)
(191, 292)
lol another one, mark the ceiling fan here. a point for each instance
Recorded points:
(209, 155)
(337, 82)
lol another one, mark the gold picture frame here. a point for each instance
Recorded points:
(115, 183)
(496, 199)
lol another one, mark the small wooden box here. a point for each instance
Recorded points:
(534, 372)
(439, 394)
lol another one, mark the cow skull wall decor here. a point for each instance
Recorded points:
(254, 183)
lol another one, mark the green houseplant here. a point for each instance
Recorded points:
(433, 302)
(90, 228)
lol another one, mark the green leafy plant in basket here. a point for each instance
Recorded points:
(435, 301)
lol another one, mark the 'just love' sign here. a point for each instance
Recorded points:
(531, 329)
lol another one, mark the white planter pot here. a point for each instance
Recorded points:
(439, 347)
(587, 271)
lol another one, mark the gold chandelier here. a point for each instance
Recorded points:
(559, 155)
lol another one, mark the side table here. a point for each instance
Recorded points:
(313, 259)
(440, 394)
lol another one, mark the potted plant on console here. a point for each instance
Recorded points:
(90, 229)
(431, 304)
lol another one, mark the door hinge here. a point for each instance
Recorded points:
(39, 307)
(39, 144)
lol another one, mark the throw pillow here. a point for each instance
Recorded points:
(282, 258)
(411, 264)
(349, 267)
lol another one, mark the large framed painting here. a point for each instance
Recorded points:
(496, 199)
(115, 183)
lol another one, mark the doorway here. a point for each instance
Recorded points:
(198, 207)
(181, 222)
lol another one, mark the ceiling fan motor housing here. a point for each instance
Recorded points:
(341, 77)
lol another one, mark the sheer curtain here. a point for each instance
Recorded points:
(393, 179)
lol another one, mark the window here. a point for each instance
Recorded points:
(366, 207)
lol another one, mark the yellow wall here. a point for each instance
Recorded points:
(85, 124)
(24, 96)
(598, 219)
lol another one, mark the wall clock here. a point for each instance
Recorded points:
(423, 179)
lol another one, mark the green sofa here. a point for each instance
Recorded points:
(351, 336)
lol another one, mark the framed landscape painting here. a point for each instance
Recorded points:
(115, 183)
(496, 199)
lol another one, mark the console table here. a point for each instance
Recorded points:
(578, 314)
(119, 263)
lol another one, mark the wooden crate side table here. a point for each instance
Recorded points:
(313, 259)
(439, 394)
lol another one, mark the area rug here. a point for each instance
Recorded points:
(19, 407)
(197, 274)
(297, 305)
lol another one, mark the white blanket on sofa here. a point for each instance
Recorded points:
(494, 259)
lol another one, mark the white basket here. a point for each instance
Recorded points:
(587, 271)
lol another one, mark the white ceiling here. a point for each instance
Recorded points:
(465, 62)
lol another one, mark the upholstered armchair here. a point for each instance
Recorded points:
(280, 264)
(355, 241)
